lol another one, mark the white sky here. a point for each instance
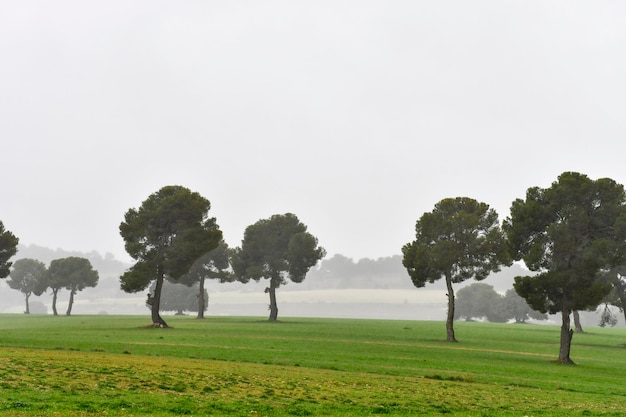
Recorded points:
(357, 116)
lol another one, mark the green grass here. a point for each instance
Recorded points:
(241, 366)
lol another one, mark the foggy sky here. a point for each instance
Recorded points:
(357, 116)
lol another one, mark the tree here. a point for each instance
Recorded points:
(8, 248)
(165, 236)
(56, 279)
(214, 265)
(475, 301)
(277, 249)
(568, 233)
(616, 278)
(80, 275)
(460, 239)
(517, 308)
(179, 297)
(28, 277)
(72, 273)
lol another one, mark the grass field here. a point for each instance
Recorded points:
(240, 366)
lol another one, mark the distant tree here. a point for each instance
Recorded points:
(166, 235)
(28, 277)
(475, 301)
(517, 308)
(8, 248)
(80, 275)
(55, 280)
(616, 278)
(276, 249)
(72, 273)
(213, 265)
(568, 233)
(607, 318)
(460, 239)
(179, 297)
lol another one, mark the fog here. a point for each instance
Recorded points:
(339, 287)
(357, 116)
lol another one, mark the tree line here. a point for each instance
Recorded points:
(572, 235)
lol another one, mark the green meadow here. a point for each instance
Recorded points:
(246, 366)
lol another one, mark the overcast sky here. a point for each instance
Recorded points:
(357, 116)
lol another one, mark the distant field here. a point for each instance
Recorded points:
(241, 366)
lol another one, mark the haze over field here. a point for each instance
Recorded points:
(357, 116)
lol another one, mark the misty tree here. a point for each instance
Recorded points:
(460, 239)
(607, 318)
(517, 308)
(616, 278)
(569, 233)
(8, 248)
(28, 277)
(179, 297)
(165, 236)
(476, 301)
(276, 249)
(214, 264)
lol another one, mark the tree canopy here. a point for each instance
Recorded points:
(568, 233)
(72, 273)
(28, 277)
(276, 249)
(8, 248)
(165, 236)
(460, 239)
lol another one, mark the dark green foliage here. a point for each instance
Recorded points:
(460, 239)
(28, 277)
(72, 273)
(568, 233)
(166, 235)
(8, 248)
(277, 249)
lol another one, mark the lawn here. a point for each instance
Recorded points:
(243, 366)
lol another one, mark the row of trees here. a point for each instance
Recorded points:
(31, 277)
(482, 301)
(572, 234)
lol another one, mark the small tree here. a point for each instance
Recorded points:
(568, 233)
(166, 235)
(458, 240)
(214, 265)
(8, 248)
(28, 277)
(276, 249)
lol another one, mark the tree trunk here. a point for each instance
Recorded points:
(71, 302)
(27, 305)
(157, 320)
(566, 337)
(450, 319)
(55, 291)
(201, 300)
(578, 328)
(273, 305)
